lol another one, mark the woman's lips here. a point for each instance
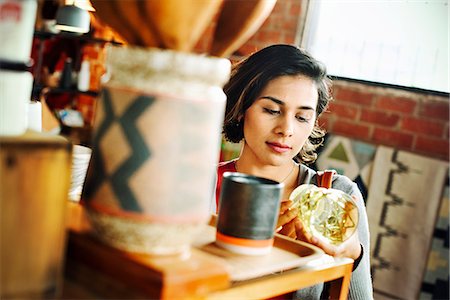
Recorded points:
(279, 148)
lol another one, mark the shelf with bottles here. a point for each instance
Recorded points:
(69, 114)
(67, 71)
(51, 53)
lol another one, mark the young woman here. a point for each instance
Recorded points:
(274, 98)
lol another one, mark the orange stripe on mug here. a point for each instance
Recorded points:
(243, 242)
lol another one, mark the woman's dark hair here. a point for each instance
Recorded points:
(250, 76)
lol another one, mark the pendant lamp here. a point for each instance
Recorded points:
(71, 18)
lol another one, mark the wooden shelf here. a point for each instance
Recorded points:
(100, 271)
(79, 37)
(37, 89)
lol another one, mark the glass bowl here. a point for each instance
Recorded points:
(328, 214)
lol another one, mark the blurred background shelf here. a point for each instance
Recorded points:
(38, 89)
(79, 37)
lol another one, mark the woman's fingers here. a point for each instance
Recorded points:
(288, 229)
(350, 248)
(287, 216)
(285, 205)
(300, 231)
(326, 247)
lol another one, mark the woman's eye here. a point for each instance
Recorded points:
(302, 119)
(271, 111)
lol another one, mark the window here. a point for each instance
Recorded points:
(395, 42)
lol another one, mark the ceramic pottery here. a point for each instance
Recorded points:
(156, 145)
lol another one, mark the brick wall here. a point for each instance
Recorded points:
(280, 27)
(413, 121)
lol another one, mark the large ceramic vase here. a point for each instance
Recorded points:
(156, 146)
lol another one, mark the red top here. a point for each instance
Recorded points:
(226, 166)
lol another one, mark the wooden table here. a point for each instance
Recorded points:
(95, 270)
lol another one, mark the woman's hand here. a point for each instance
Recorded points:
(286, 219)
(290, 225)
(350, 248)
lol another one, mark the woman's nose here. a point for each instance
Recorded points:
(285, 126)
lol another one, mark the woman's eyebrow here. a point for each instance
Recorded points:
(280, 102)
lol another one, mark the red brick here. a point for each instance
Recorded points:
(379, 117)
(289, 26)
(423, 126)
(335, 88)
(295, 8)
(343, 110)
(435, 110)
(247, 49)
(393, 138)
(353, 96)
(269, 36)
(289, 39)
(436, 148)
(276, 22)
(398, 104)
(351, 129)
(280, 8)
(325, 121)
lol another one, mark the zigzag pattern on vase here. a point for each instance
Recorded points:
(140, 151)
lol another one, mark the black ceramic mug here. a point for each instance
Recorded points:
(248, 213)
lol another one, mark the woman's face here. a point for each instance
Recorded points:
(278, 123)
